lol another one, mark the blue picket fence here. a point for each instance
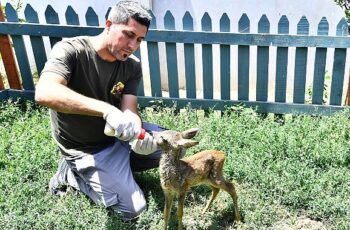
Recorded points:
(243, 40)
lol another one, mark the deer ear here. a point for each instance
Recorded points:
(190, 133)
(187, 143)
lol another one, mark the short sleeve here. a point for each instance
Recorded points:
(61, 60)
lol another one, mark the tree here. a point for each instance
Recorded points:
(345, 5)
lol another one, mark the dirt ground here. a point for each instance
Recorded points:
(300, 223)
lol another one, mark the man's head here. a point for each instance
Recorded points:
(126, 26)
(124, 10)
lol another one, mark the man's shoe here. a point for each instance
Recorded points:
(58, 184)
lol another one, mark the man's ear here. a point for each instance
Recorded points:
(108, 23)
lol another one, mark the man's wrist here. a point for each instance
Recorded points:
(109, 110)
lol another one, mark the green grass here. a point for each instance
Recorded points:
(284, 173)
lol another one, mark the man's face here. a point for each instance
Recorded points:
(123, 40)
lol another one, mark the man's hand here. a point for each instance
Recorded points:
(124, 124)
(146, 146)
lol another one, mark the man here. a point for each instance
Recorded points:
(90, 83)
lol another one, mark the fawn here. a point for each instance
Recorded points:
(178, 175)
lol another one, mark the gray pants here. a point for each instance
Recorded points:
(106, 177)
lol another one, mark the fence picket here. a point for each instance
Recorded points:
(36, 41)
(171, 58)
(339, 68)
(107, 13)
(20, 50)
(51, 17)
(225, 61)
(281, 63)
(91, 17)
(190, 70)
(342, 28)
(154, 66)
(207, 60)
(262, 62)
(338, 77)
(320, 66)
(243, 60)
(140, 90)
(300, 64)
(71, 16)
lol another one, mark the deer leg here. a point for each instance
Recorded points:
(214, 193)
(180, 208)
(169, 197)
(230, 188)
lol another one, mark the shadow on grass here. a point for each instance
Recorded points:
(224, 220)
(150, 184)
(152, 218)
(196, 199)
(220, 214)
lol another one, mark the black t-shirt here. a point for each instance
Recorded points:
(86, 73)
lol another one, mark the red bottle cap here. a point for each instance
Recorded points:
(142, 134)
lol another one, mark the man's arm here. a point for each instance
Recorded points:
(129, 102)
(52, 91)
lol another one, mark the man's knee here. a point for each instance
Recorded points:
(129, 213)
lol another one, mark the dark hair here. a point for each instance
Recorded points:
(124, 10)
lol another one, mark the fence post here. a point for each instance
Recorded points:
(8, 60)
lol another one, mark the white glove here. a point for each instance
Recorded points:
(146, 146)
(124, 125)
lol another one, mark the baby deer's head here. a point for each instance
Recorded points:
(172, 140)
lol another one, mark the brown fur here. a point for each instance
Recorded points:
(179, 175)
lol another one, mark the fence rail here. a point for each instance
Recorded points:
(243, 40)
(174, 36)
